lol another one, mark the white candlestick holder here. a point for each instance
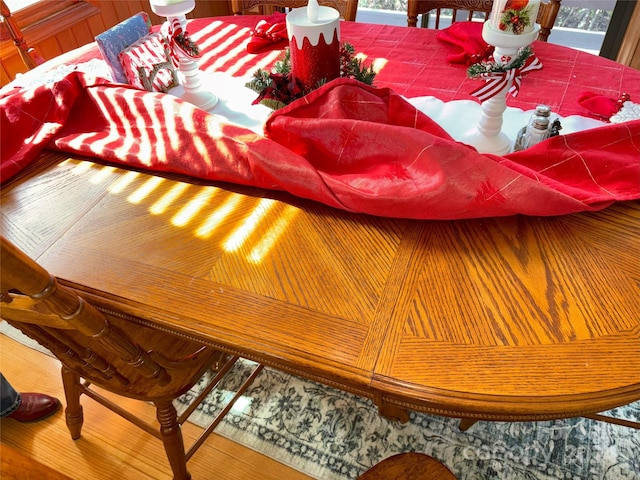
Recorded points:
(191, 88)
(511, 27)
(487, 136)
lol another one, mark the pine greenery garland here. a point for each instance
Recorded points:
(278, 88)
(353, 67)
(283, 64)
(478, 69)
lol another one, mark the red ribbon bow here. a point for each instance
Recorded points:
(602, 106)
(497, 81)
(275, 32)
(269, 34)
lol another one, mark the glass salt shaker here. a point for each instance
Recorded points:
(541, 111)
(538, 126)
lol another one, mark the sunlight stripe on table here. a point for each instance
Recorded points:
(240, 236)
(194, 206)
(169, 197)
(102, 174)
(123, 182)
(275, 231)
(215, 219)
(145, 190)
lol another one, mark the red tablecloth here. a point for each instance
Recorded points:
(413, 63)
(355, 148)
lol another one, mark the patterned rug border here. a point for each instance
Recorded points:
(560, 449)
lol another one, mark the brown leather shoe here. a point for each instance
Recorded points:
(34, 407)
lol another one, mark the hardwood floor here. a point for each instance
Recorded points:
(111, 447)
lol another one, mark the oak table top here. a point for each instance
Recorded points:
(515, 318)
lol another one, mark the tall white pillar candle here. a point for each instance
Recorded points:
(314, 44)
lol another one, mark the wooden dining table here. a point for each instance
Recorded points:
(514, 318)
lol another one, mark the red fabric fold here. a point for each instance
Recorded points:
(598, 105)
(385, 156)
(467, 38)
(269, 34)
(346, 145)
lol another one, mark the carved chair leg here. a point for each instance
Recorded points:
(172, 439)
(73, 413)
(467, 423)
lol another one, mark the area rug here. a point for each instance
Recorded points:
(332, 435)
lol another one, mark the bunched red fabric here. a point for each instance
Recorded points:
(269, 34)
(467, 39)
(346, 145)
(379, 154)
(598, 105)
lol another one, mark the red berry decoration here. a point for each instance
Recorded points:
(516, 4)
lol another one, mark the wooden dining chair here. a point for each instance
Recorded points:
(546, 15)
(112, 347)
(408, 466)
(347, 8)
(9, 28)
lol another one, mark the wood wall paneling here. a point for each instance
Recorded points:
(10, 67)
(82, 34)
(123, 9)
(108, 13)
(4, 77)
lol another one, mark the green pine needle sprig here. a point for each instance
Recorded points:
(274, 94)
(478, 69)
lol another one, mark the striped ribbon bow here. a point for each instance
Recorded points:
(497, 81)
(176, 40)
